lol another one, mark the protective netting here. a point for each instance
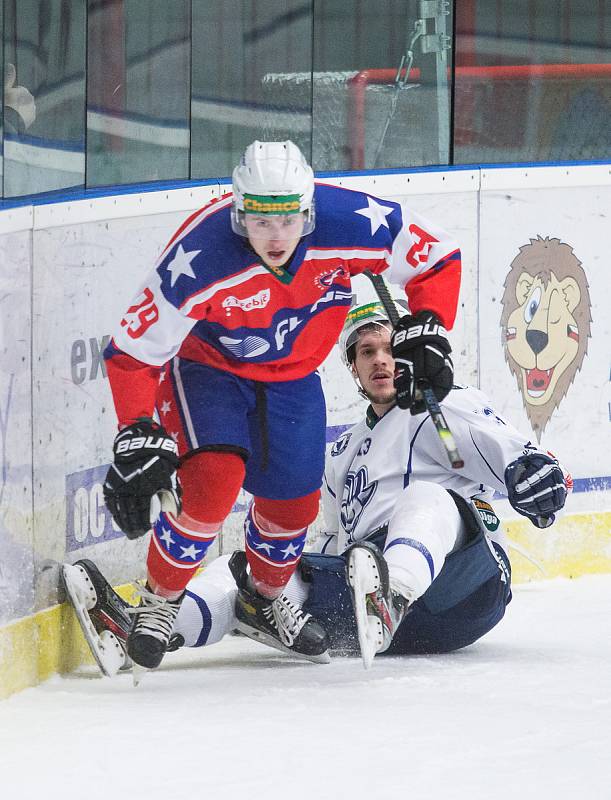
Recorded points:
(550, 119)
(349, 112)
(348, 117)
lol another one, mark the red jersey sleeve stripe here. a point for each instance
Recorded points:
(453, 256)
(437, 290)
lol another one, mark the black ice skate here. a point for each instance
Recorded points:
(151, 634)
(378, 610)
(101, 613)
(277, 623)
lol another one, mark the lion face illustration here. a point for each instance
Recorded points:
(546, 324)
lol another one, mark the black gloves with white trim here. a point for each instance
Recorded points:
(421, 351)
(536, 487)
(144, 469)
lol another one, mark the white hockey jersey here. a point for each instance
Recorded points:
(372, 463)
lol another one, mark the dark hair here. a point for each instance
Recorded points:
(369, 326)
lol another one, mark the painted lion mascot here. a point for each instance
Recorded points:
(546, 324)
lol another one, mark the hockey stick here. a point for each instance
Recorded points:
(430, 401)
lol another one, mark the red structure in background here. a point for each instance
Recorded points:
(496, 83)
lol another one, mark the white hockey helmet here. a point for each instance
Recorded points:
(366, 314)
(272, 178)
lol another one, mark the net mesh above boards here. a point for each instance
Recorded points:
(361, 120)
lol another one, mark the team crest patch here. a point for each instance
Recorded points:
(487, 514)
(325, 280)
(341, 444)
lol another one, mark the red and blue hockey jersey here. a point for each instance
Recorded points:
(210, 299)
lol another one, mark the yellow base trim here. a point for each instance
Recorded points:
(48, 643)
(577, 544)
(36, 647)
(51, 642)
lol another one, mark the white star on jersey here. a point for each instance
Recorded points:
(181, 264)
(376, 214)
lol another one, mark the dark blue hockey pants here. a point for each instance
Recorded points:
(464, 602)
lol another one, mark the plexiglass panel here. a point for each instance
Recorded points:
(381, 91)
(105, 92)
(240, 53)
(138, 91)
(533, 81)
(44, 95)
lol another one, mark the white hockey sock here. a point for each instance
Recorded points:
(207, 611)
(297, 590)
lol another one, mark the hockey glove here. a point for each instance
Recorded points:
(421, 351)
(144, 468)
(536, 487)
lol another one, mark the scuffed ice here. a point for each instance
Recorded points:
(525, 713)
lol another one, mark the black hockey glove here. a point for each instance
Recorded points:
(536, 487)
(145, 463)
(421, 351)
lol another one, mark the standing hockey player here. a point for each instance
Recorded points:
(223, 341)
(426, 560)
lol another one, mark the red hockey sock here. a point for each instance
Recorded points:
(211, 482)
(176, 551)
(272, 548)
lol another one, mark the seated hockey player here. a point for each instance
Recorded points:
(412, 547)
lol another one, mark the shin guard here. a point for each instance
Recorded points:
(273, 553)
(176, 551)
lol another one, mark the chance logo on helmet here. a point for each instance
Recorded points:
(367, 314)
(260, 204)
(272, 178)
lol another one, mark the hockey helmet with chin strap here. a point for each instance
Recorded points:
(272, 178)
(370, 315)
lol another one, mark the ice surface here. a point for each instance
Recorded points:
(524, 713)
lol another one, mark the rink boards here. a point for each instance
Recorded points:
(69, 269)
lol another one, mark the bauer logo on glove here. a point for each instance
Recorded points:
(143, 478)
(421, 351)
(414, 331)
(123, 445)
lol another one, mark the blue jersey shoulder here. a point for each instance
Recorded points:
(208, 253)
(211, 251)
(349, 218)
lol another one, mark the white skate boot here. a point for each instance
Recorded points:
(378, 609)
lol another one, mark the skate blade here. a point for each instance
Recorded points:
(137, 674)
(364, 578)
(264, 638)
(105, 648)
